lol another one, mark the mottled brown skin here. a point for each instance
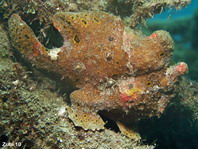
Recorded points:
(114, 67)
(132, 92)
(94, 50)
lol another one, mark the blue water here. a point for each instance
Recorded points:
(184, 12)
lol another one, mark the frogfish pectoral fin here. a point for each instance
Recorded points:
(129, 132)
(84, 119)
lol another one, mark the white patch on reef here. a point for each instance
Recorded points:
(62, 111)
(53, 53)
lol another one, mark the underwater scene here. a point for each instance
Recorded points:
(99, 74)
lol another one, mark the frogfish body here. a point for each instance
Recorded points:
(115, 68)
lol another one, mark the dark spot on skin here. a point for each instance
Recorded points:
(96, 20)
(109, 58)
(76, 39)
(117, 62)
(72, 17)
(162, 54)
(148, 83)
(26, 36)
(84, 22)
(68, 22)
(111, 38)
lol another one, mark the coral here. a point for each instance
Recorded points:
(115, 68)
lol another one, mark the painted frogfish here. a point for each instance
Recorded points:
(118, 71)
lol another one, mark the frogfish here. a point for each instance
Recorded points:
(119, 72)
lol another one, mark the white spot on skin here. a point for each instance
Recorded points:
(156, 88)
(130, 67)
(123, 84)
(126, 43)
(79, 66)
(54, 53)
(169, 71)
